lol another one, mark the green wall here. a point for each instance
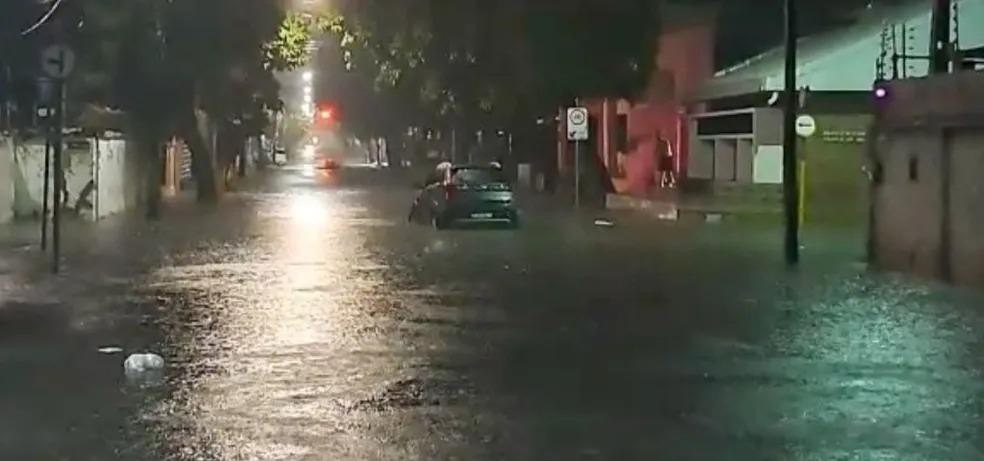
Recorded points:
(834, 156)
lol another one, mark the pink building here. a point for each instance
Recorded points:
(624, 133)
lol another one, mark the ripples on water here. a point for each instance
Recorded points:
(311, 325)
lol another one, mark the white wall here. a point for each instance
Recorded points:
(111, 175)
(106, 163)
(29, 174)
(6, 180)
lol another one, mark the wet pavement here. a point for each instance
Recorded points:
(306, 320)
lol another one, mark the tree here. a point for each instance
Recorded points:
(488, 64)
(147, 57)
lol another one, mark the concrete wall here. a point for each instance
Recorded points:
(29, 176)
(101, 177)
(111, 178)
(6, 180)
(928, 206)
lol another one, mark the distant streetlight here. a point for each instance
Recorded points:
(308, 76)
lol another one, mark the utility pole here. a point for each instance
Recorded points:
(940, 39)
(46, 182)
(59, 180)
(790, 164)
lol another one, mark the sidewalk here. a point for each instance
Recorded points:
(674, 205)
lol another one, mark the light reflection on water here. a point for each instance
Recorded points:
(271, 360)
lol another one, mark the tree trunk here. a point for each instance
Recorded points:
(152, 179)
(242, 157)
(149, 144)
(394, 149)
(202, 166)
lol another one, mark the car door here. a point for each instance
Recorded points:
(426, 202)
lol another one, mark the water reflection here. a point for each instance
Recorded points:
(854, 370)
(269, 357)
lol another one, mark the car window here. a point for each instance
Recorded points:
(475, 176)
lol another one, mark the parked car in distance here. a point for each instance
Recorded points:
(280, 155)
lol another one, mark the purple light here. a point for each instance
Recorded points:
(880, 93)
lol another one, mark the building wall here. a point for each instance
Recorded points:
(111, 177)
(967, 209)
(101, 177)
(928, 206)
(29, 175)
(684, 60)
(835, 184)
(6, 180)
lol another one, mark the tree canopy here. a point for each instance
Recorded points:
(166, 63)
(499, 62)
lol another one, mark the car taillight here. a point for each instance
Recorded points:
(451, 189)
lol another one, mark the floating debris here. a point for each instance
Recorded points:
(140, 363)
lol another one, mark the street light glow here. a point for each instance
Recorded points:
(308, 76)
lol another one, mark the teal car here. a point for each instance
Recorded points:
(466, 194)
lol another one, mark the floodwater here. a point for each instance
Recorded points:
(305, 319)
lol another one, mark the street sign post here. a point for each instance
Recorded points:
(577, 124)
(577, 131)
(806, 126)
(57, 63)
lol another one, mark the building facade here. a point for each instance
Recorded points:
(625, 133)
(927, 213)
(736, 140)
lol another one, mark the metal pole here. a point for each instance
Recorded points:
(577, 174)
(790, 165)
(577, 165)
(454, 145)
(46, 182)
(57, 194)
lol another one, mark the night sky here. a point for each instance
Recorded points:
(749, 27)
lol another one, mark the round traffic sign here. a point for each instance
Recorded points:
(806, 126)
(57, 61)
(577, 116)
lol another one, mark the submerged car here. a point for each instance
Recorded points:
(466, 194)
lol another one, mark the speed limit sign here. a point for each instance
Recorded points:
(577, 124)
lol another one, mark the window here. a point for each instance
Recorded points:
(913, 168)
(475, 176)
(726, 124)
(878, 175)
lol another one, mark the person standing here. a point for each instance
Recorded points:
(664, 163)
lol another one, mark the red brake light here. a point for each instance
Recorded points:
(452, 188)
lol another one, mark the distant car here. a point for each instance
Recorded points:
(465, 194)
(328, 163)
(280, 155)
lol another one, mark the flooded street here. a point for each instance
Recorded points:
(305, 319)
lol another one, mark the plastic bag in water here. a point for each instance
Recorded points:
(140, 363)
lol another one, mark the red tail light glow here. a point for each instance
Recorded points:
(450, 189)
